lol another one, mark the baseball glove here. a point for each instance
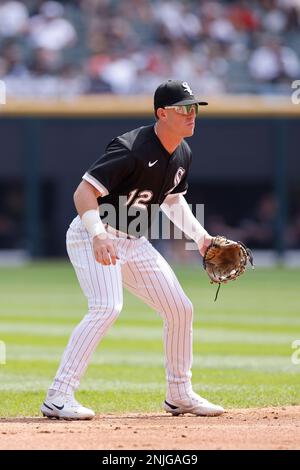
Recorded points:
(225, 260)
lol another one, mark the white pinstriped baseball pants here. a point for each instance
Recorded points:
(145, 273)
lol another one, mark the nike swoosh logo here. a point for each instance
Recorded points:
(150, 164)
(173, 407)
(49, 407)
(58, 407)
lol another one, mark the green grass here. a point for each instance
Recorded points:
(242, 342)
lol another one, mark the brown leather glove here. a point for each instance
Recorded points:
(224, 260)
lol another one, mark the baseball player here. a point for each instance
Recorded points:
(139, 169)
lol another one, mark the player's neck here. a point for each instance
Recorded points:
(168, 140)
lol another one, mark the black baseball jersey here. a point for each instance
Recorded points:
(134, 175)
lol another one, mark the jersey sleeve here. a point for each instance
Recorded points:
(111, 169)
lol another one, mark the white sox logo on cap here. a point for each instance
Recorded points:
(177, 178)
(187, 87)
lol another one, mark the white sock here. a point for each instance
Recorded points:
(52, 393)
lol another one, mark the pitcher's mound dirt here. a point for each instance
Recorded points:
(263, 428)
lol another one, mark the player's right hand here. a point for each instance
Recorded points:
(104, 250)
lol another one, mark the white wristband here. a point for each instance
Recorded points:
(92, 222)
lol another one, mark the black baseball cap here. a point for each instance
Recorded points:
(173, 93)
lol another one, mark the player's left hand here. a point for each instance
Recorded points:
(205, 244)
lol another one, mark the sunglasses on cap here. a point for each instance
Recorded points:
(184, 108)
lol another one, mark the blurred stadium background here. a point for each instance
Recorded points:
(78, 73)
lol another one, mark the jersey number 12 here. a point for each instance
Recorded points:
(139, 199)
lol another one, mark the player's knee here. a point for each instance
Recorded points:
(109, 310)
(114, 311)
(184, 310)
(188, 309)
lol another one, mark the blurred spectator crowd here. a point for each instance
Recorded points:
(63, 49)
(259, 229)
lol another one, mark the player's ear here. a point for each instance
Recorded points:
(161, 113)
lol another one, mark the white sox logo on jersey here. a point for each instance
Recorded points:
(187, 87)
(177, 178)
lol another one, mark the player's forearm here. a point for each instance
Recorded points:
(85, 200)
(177, 209)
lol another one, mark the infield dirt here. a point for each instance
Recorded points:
(261, 428)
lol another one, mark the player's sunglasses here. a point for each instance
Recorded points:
(184, 109)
